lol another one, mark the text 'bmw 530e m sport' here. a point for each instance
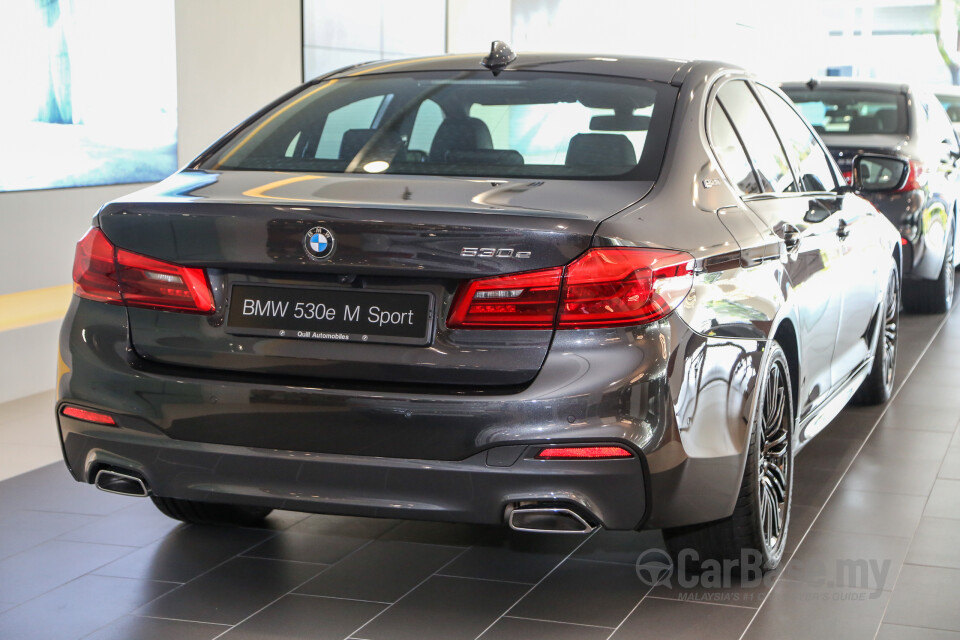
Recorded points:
(553, 293)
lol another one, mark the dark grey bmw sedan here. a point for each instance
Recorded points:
(552, 292)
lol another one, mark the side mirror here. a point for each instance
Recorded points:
(878, 173)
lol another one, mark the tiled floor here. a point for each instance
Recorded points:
(878, 490)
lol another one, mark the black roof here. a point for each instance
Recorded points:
(655, 69)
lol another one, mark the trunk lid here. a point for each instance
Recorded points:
(394, 236)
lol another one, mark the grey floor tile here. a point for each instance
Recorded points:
(658, 618)
(185, 553)
(906, 416)
(737, 591)
(898, 632)
(944, 501)
(78, 608)
(21, 529)
(449, 608)
(798, 611)
(839, 559)
(886, 514)
(924, 446)
(950, 468)
(51, 488)
(623, 547)
(853, 422)
(296, 616)
(812, 484)
(801, 519)
(383, 571)
(51, 564)
(829, 452)
(941, 395)
(445, 533)
(926, 597)
(231, 592)
(522, 557)
(140, 628)
(136, 526)
(935, 544)
(280, 520)
(605, 594)
(307, 547)
(345, 526)
(508, 628)
(889, 475)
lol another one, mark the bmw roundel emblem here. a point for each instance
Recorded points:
(319, 243)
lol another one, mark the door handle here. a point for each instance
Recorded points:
(843, 229)
(791, 238)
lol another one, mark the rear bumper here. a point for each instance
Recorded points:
(477, 489)
(186, 433)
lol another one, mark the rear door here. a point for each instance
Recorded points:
(850, 218)
(809, 247)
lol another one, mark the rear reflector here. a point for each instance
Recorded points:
(605, 287)
(87, 415)
(104, 273)
(584, 453)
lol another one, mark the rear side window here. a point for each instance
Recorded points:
(758, 137)
(808, 158)
(852, 111)
(952, 104)
(730, 154)
(518, 124)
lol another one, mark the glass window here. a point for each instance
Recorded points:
(730, 154)
(851, 111)
(942, 128)
(358, 115)
(519, 124)
(425, 125)
(952, 104)
(758, 137)
(808, 158)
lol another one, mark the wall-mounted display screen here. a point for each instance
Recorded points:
(89, 92)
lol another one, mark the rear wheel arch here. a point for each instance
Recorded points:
(786, 337)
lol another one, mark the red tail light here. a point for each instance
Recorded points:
(87, 415)
(104, 273)
(605, 287)
(518, 301)
(583, 453)
(916, 179)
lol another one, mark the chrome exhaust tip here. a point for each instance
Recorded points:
(548, 520)
(121, 483)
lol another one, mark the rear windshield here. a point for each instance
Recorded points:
(952, 105)
(518, 124)
(851, 111)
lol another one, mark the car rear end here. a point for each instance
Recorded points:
(854, 118)
(356, 323)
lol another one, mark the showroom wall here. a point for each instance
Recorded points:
(233, 56)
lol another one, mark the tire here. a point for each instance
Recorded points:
(878, 385)
(933, 296)
(766, 475)
(211, 513)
